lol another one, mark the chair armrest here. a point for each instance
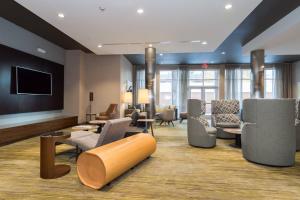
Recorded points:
(247, 125)
(213, 121)
(103, 114)
(195, 127)
(113, 115)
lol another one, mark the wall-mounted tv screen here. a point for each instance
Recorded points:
(33, 82)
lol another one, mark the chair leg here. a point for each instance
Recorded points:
(162, 121)
(172, 123)
(181, 120)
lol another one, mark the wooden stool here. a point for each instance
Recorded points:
(48, 169)
(99, 166)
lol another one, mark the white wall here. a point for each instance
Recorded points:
(126, 75)
(296, 79)
(18, 38)
(105, 76)
(103, 79)
(73, 83)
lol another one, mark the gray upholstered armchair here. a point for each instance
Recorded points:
(298, 125)
(112, 131)
(225, 114)
(199, 132)
(268, 133)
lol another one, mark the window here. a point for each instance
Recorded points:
(238, 83)
(245, 83)
(204, 84)
(167, 88)
(270, 83)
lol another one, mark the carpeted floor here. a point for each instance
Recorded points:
(175, 171)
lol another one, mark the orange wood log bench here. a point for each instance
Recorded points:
(99, 166)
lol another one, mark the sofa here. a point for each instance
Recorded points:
(225, 114)
(297, 123)
(112, 131)
(199, 132)
(268, 132)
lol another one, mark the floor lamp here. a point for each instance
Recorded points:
(143, 99)
(128, 98)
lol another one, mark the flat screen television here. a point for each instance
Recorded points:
(33, 82)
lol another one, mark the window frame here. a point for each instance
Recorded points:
(203, 87)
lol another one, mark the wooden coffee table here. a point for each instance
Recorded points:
(237, 132)
(84, 127)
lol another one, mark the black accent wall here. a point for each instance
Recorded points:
(12, 103)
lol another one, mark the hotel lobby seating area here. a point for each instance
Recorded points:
(150, 99)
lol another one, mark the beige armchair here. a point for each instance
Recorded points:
(167, 116)
(110, 113)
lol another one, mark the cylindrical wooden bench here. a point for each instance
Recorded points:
(101, 165)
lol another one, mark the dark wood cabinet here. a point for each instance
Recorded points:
(18, 132)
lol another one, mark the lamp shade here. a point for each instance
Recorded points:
(127, 97)
(143, 96)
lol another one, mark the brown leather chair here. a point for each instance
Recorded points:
(110, 113)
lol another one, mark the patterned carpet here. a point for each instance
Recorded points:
(175, 171)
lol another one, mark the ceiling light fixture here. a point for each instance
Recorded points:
(195, 41)
(204, 43)
(150, 45)
(165, 42)
(100, 46)
(61, 15)
(41, 50)
(102, 9)
(228, 6)
(140, 11)
(223, 53)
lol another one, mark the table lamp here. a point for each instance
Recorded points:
(128, 98)
(143, 97)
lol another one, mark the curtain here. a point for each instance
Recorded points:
(233, 82)
(138, 82)
(183, 88)
(282, 82)
(287, 82)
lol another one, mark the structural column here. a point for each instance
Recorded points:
(150, 59)
(257, 71)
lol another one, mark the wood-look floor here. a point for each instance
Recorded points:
(175, 171)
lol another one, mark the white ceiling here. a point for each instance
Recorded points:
(120, 26)
(283, 38)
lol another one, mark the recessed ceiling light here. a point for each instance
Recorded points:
(195, 41)
(150, 45)
(161, 54)
(165, 42)
(223, 53)
(204, 43)
(41, 50)
(100, 46)
(228, 6)
(140, 11)
(61, 15)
